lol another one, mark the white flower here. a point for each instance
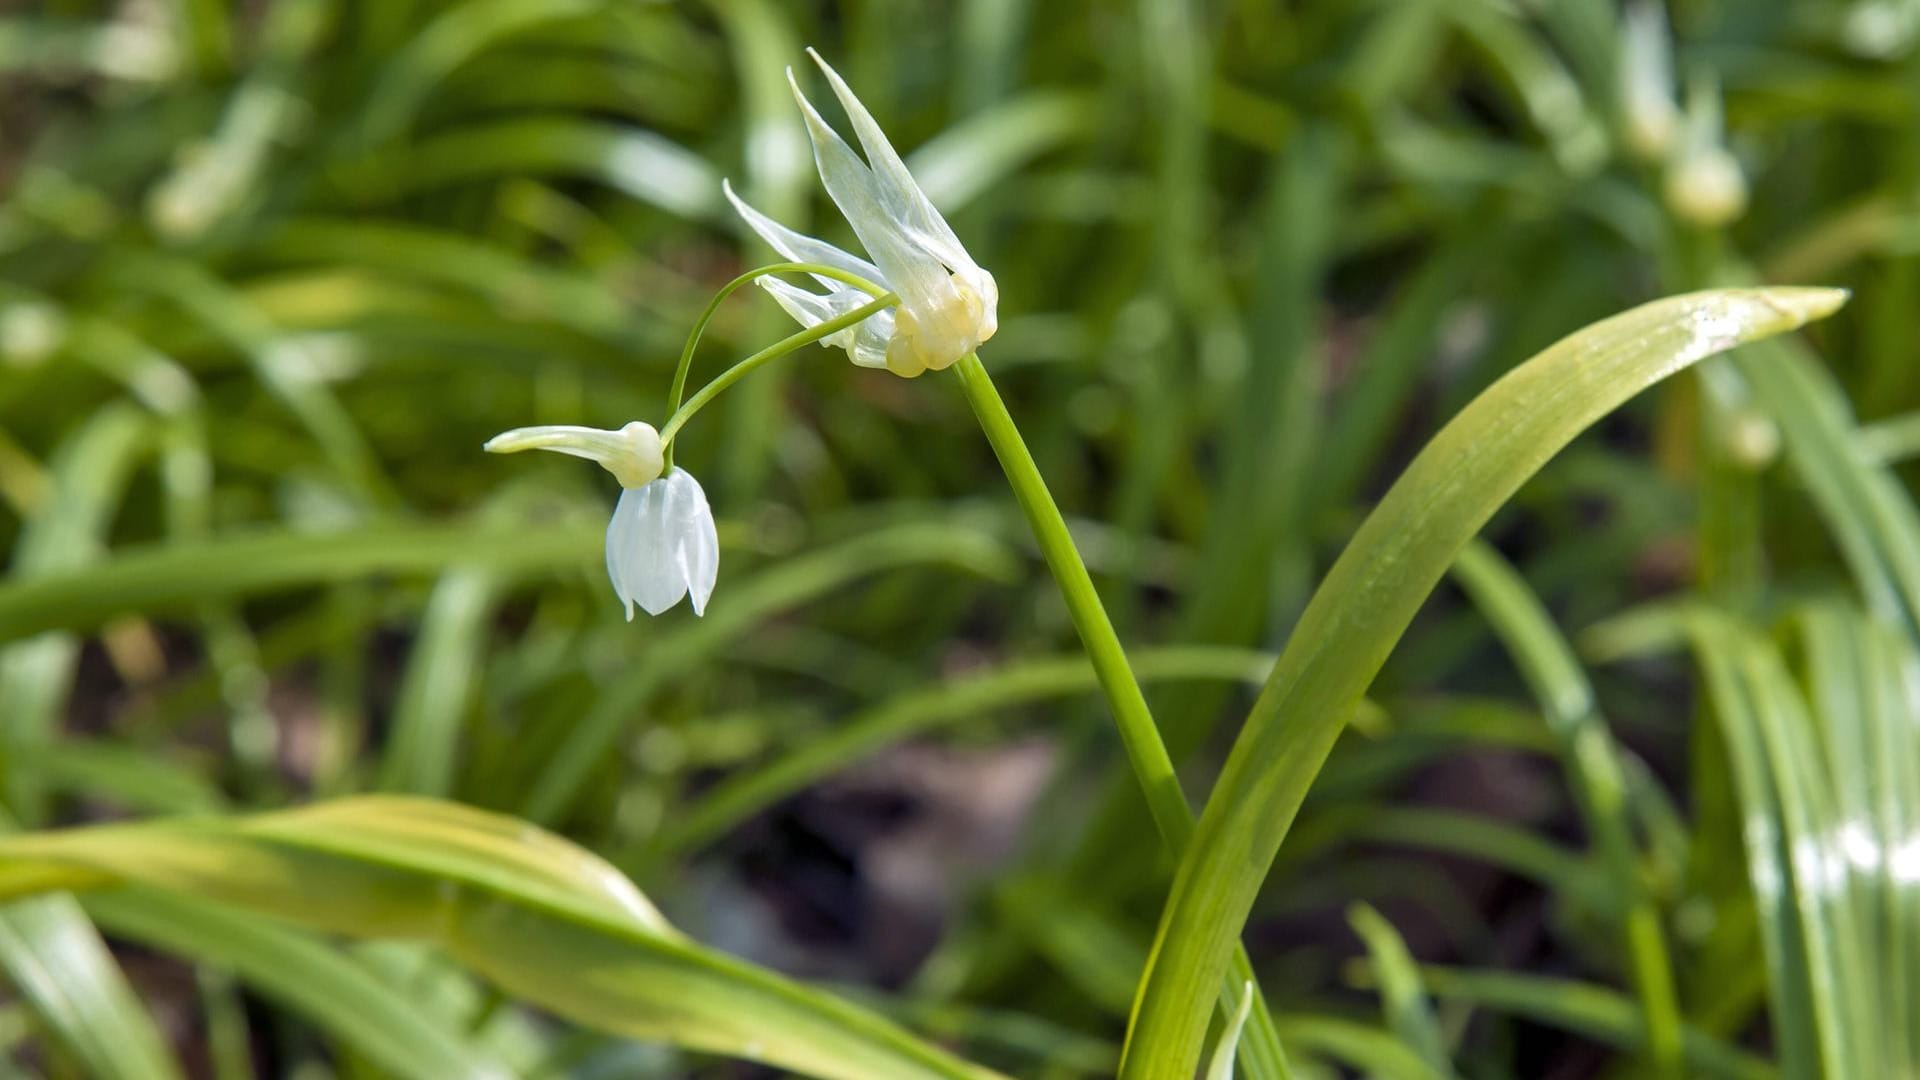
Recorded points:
(1704, 184)
(661, 543)
(1705, 187)
(1652, 121)
(947, 302)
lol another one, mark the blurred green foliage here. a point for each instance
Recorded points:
(271, 272)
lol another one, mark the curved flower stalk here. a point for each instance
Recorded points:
(661, 543)
(948, 303)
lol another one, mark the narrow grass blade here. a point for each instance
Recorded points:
(1874, 522)
(340, 996)
(1593, 761)
(1857, 682)
(1596, 1012)
(49, 950)
(1366, 601)
(1824, 1004)
(131, 776)
(1402, 995)
(452, 38)
(177, 577)
(733, 800)
(1510, 847)
(739, 608)
(546, 921)
(1364, 1048)
(630, 160)
(57, 961)
(64, 535)
(1220, 1065)
(443, 674)
(969, 159)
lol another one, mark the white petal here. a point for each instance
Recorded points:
(662, 543)
(809, 309)
(619, 532)
(799, 246)
(889, 234)
(865, 341)
(894, 185)
(696, 543)
(648, 568)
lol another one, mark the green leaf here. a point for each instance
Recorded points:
(57, 961)
(1220, 1066)
(443, 675)
(736, 798)
(1821, 867)
(969, 159)
(338, 994)
(547, 922)
(1596, 1012)
(1594, 762)
(1366, 601)
(176, 577)
(50, 951)
(736, 610)
(631, 160)
(1402, 997)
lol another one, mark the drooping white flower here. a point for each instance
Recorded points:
(948, 303)
(661, 543)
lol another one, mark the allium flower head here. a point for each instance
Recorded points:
(661, 543)
(948, 304)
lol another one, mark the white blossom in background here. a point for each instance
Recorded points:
(1702, 182)
(1651, 119)
(31, 331)
(948, 303)
(1881, 29)
(661, 542)
(1705, 185)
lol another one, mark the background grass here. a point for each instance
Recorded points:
(270, 273)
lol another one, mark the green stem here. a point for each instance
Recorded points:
(1147, 754)
(766, 356)
(680, 373)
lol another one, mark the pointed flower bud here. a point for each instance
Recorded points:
(661, 543)
(948, 303)
(633, 454)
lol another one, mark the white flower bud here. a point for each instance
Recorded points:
(632, 454)
(1706, 188)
